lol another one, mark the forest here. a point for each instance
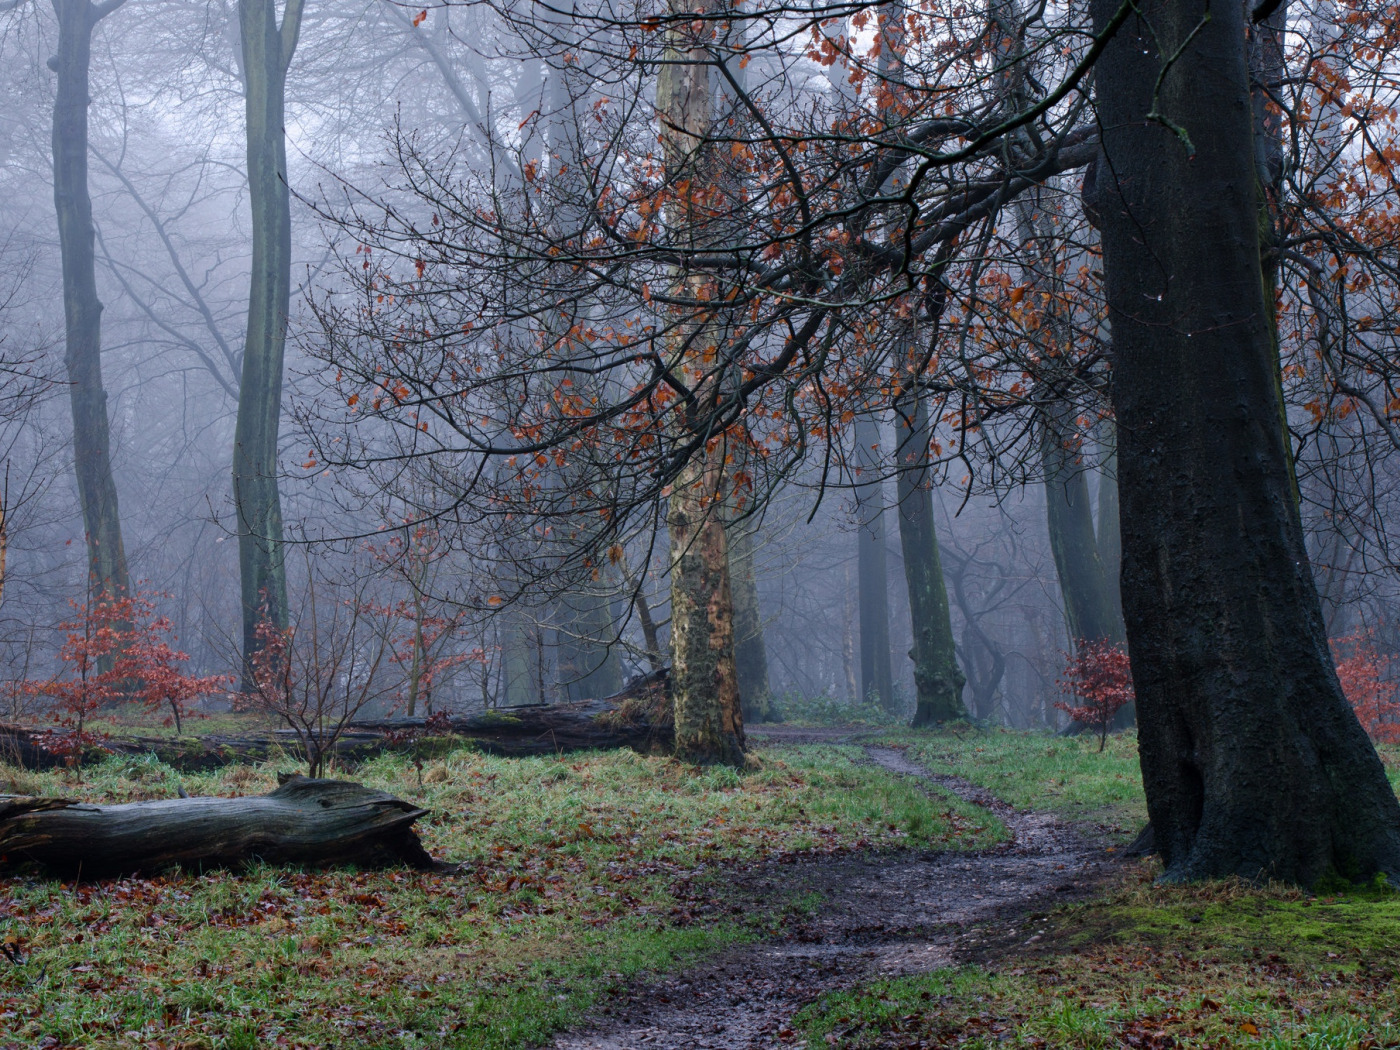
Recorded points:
(699, 523)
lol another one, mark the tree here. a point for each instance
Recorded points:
(1253, 763)
(1098, 673)
(92, 456)
(115, 649)
(872, 572)
(704, 680)
(267, 50)
(317, 676)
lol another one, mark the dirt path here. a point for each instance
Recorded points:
(881, 916)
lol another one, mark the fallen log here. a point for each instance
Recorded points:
(318, 823)
(638, 717)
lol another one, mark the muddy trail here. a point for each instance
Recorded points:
(880, 916)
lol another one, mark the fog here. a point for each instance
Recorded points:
(446, 121)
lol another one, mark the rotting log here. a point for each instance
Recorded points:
(319, 823)
(638, 717)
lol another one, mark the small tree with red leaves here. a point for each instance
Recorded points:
(116, 649)
(151, 666)
(1097, 674)
(1363, 673)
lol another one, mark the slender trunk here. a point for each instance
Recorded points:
(520, 671)
(1085, 586)
(872, 573)
(848, 637)
(267, 52)
(937, 679)
(92, 457)
(704, 681)
(588, 665)
(1253, 763)
(750, 653)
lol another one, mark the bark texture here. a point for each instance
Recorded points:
(267, 52)
(704, 682)
(82, 309)
(938, 680)
(314, 822)
(1253, 763)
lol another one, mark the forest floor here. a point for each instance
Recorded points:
(879, 916)
(867, 887)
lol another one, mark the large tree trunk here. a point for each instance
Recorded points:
(267, 52)
(937, 679)
(92, 458)
(704, 683)
(872, 571)
(316, 822)
(1253, 763)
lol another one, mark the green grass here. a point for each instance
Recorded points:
(829, 711)
(578, 873)
(1219, 965)
(1065, 775)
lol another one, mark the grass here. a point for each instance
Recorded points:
(578, 873)
(1217, 965)
(1065, 775)
(830, 711)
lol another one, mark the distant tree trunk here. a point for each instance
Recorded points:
(704, 680)
(267, 52)
(92, 458)
(1107, 533)
(848, 636)
(588, 666)
(1253, 763)
(872, 572)
(587, 663)
(937, 678)
(750, 653)
(520, 659)
(1085, 586)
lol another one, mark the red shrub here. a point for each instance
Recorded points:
(116, 649)
(1097, 674)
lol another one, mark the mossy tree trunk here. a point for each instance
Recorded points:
(267, 50)
(704, 680)
(1254, 765)
(938, 680)
(82, 309)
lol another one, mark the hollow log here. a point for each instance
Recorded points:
(319, 823)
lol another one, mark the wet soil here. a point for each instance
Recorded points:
(880, 915)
